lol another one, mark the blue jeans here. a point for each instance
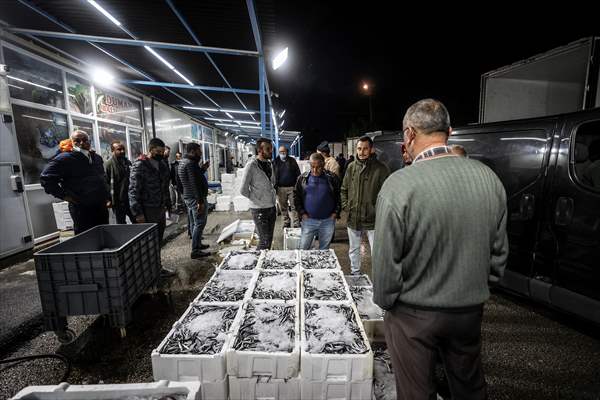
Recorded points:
(311, 227)
(197, 222)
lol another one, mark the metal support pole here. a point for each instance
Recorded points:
(261, 89)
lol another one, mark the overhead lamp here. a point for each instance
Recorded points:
(102, 76)
(280, 59)
(106, 13)
(229, 125)
(282, 114)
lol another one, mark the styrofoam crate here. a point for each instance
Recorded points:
(275, 272)
(370, 314)
(223, 199)
(291, 238)
(211, 199)
(225, 264)
(216, 277)
(222, 207)
(264, 388)
(322, 272)
(336, 390)
(327, 367)
(335, 263)
(62, 216)
(227, 178)
(218, 390)
(269, 260)
(375, 330)
(193, 367)
(245, 229)
(361, 280)
(278, 365)
(160, 389)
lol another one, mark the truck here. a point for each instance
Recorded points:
(562, 80)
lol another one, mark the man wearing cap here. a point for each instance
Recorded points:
(331, 164)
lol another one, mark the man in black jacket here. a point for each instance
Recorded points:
(195, 190)
(77, 176)
(317, 199)
(149, 196)
(286, 174)
(117, 177)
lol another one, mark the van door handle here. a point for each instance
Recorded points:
(563, 214)
(527, 206)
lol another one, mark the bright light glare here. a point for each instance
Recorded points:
(280, 58)
(100, 75)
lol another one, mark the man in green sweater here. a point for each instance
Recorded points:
(362, 182)
(440, 237)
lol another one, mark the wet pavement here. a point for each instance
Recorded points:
(529, 352)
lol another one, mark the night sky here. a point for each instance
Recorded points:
(407, 54)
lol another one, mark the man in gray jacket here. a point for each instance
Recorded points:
(440, 236)
(258, 186)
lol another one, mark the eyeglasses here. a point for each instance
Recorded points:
(82, 140)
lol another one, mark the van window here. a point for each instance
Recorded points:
(516, 156)
(585, 155)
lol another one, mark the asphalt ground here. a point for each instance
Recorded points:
(529, 352)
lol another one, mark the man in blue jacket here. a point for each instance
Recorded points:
(77, 176)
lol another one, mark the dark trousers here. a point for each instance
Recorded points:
(415, 338)
(121, 211)
(264, 219)
(156, 215)
(86, 217)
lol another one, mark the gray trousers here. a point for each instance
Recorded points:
(415, 338)
(285, 197)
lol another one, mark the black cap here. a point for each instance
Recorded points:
(324, 146)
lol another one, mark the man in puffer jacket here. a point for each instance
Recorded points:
(195, 189)
(149, 196)
(76, 175)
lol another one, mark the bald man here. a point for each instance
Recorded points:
(77, 176)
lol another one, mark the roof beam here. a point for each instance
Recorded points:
(189, 29)
(120, 60)
(186, 86)
(134, 42)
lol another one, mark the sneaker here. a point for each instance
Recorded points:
(199, 254)
(165, 273)
(204, 246)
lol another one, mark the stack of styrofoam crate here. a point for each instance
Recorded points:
(270, 373)
(62, 216)
(155, 390)
(223, 203)
(370, 313)
(331, 375)
(211, 198)
(227, 289)
(291, 238)
(227, 184)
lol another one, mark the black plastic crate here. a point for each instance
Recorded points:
(101, 271)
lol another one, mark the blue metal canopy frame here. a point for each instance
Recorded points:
(268, 117)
